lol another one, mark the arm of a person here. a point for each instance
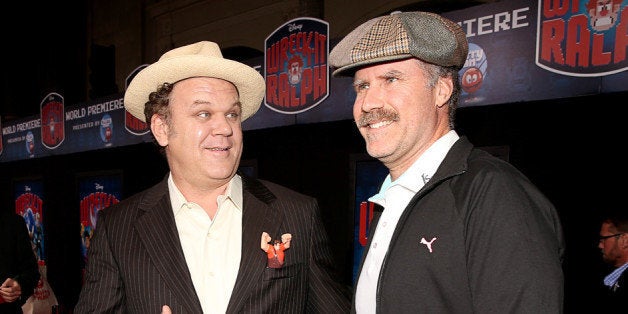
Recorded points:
(102, 291)
(27, 275)
(514, 243)
(285, 240)
(264, 241)
(326, 293)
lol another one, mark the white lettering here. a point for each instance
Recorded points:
(8, 130)
(516, 19)
(105, 107)
(495, 23)
(29, 125)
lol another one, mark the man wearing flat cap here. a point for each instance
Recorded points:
(456, 230)
(191, 243)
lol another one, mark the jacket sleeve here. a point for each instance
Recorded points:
(514, 245)
(103, 290)
(326, 293)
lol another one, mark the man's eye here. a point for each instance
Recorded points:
(391, 79)
(362, 86)
(203, 114)
(233, 115)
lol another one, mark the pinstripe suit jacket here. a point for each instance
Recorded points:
(136, 262)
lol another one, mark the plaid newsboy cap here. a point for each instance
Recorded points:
(400, 35)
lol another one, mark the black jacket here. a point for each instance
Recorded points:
(615, 298)
(496, 243)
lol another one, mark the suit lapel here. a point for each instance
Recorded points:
(157, 231)
(257, 217)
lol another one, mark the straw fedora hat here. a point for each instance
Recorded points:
(199, 59)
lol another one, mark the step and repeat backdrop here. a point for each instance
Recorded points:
(519, 51)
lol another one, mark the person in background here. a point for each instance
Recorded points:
(19, 272)
(613, 244)
(461, 231)
(159, 247)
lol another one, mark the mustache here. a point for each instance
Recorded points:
(376, 115)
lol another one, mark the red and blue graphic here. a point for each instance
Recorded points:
(582, 37)
(52, 120)
(369, 173)
(96, 192)
(29, 144)
(106, 129)
(295, 65)
(132, 124)
(473, 74)
(29, 204)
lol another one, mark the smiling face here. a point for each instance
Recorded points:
(398, 113)
(203, 135)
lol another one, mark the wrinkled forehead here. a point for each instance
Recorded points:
(608, 227)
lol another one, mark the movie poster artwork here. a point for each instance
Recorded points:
(295, 65)
(367, 176)
(29, 204)
(52, 121)
(584, 38)
(96, 192)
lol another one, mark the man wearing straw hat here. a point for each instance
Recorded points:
(192, 242)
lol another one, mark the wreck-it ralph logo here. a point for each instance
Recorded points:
(582, 37)
(94, 202)
(295, 65)
(52, 121)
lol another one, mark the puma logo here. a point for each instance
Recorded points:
(428, 244)
(425, 178)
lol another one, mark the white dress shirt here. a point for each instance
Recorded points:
(211, 247)
(394, 197)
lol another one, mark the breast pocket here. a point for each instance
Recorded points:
(286, 271)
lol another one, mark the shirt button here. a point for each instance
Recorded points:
(375, 245)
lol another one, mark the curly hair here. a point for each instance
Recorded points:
(158, 104)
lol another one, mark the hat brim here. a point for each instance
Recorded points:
(248, 81)
(350, 69)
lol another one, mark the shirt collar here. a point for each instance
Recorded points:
(612, 278)
(233, 193)
(424, 167)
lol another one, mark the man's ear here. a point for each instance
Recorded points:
(444, 89)
(622, 242)
(160, 129)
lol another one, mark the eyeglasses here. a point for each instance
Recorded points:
(610, 236)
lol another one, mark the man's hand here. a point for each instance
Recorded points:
(10, 290)
(286, 238)
(264, 241)
(165, 310)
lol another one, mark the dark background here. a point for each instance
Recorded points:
(568, 147)
(44, 49)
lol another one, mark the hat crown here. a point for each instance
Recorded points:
(423, 35)
(201, 59)
(202, 48)
(386, 37)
